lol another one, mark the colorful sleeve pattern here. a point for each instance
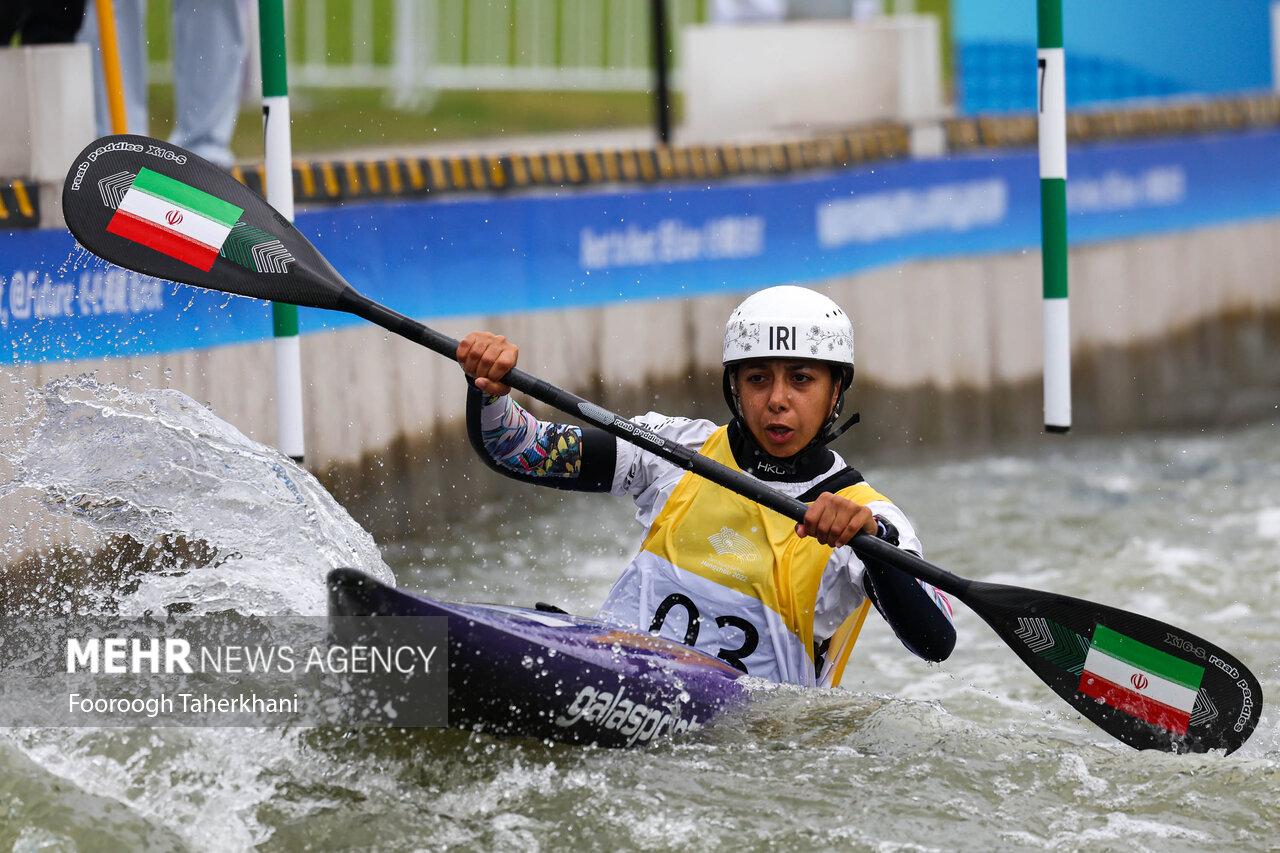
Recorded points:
(519, 442)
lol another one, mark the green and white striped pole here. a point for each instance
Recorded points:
(1052, 83)
(279, 151)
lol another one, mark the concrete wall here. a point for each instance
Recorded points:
(956, 325)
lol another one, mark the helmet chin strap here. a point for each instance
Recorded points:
(829, 431)
(832, 435)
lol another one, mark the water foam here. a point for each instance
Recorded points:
(259, 532)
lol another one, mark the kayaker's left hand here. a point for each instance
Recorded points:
(834, 520)
(486, 358)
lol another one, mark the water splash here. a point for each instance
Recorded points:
(230, 523)
(79, 258)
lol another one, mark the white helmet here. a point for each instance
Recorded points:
(790, 322)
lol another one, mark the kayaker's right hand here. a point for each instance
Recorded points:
(834, 520)
(486, 358)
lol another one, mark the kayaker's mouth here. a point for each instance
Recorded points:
(779, 433)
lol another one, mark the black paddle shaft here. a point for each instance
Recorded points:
(265, 257)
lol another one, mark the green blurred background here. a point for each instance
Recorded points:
(466, 34)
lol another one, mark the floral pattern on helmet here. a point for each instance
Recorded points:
(829, 341)
(743, 335)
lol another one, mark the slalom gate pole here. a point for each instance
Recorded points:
(1051, 85)
(279, 166)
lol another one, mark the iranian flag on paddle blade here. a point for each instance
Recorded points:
(174, 218)
(1141, 680)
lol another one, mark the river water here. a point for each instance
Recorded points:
(971, 755)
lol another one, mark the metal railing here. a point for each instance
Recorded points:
(410, 48)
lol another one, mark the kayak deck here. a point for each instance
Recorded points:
(519, 672)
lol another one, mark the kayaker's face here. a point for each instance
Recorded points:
(785, 402)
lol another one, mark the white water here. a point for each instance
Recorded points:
(112, 462)
(975, 754)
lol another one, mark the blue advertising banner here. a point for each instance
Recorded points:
(1114, 51)
(531, 253)
(58, 302)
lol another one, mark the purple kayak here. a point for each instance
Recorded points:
(534, 673)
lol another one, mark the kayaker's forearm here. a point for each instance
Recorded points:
(511, 440)
(516, 440)
(916, 616)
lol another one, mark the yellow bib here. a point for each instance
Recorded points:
(723, 537)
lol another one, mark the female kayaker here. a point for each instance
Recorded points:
(716, 570)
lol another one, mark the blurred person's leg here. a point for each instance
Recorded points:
(209, 57)
(130, 38)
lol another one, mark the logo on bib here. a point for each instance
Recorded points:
(729, 541)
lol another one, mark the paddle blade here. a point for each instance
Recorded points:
(160, 210)
(1146, 683)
